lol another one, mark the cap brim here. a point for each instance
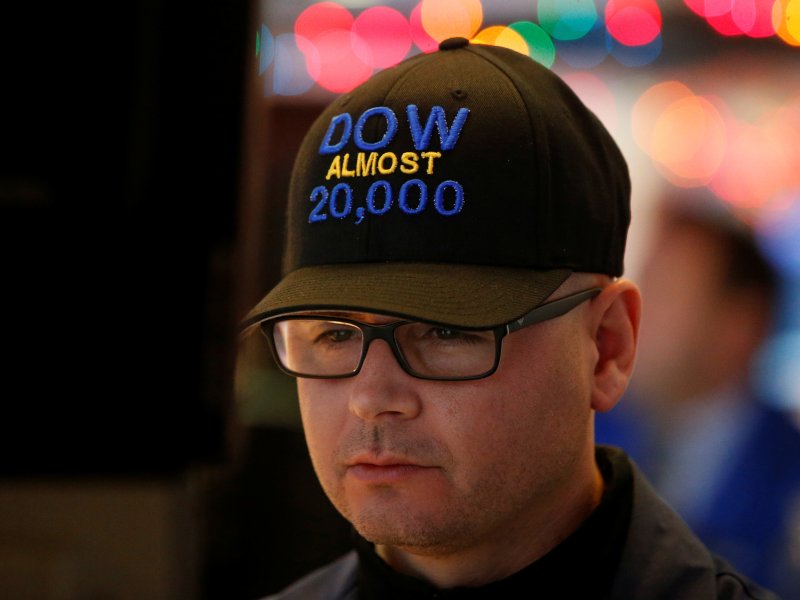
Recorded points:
(451, 294)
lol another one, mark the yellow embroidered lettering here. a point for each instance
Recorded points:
(410, 162)
(365, 164)
(431, 156)
(384, 170)
(345, 171)
(335, 168)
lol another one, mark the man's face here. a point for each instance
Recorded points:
(436, 466)
(685, 308)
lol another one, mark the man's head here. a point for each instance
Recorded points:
(710, 293)
(450, 304)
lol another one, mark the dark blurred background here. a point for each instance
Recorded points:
(121, 146)
(121, 137)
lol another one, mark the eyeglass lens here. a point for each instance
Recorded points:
(330, 348)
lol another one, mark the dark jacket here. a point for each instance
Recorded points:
(748, 512)
(662, 560)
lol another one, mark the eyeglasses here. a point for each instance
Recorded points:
(325, 347)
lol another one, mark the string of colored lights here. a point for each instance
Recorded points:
(337, 50)
(752, 18)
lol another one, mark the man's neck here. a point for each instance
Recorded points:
(510, 550)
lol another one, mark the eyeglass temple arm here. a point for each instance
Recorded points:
(553, 309)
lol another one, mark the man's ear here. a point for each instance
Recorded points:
(616, 330)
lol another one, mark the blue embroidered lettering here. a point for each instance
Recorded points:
(391, 128)
(319, 195)
(327, 147)
(438, 200)
(423, 196)
(340, 202)
(448, 136)
(341, 212)
(387, 197)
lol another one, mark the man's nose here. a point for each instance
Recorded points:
(382, 389)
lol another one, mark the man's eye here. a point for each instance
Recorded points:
(336, 335)
(453, 336)
(444, 333)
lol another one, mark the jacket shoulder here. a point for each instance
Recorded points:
(731, 585)
(335, 581)
(664, 560)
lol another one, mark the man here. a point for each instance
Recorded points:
(452, 311)
(695, 420)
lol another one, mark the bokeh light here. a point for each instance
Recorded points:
(709, 8)
(635, 56)
(265, 48)
(786, 21)
(683, 133)
(567, 19)
(444, 19)
(540, 44)
(633, 22)
(695, 140)
(505, 37)
(345, 46)
(586, 52)
(762, 159)
(319, 19)
(340, 68)
(290, 76)
(724, 24)
(650, 105)
(753, 17)
(419, 36)
(688, 140)
(384, 36)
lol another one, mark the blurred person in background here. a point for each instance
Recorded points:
(693, 418)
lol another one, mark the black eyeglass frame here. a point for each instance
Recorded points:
(385, 332)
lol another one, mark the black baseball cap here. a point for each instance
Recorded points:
(460, 187)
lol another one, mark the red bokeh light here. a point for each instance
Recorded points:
(340, 69)
(418, 34)
(319, 19)
(385, 34)
(724, 24)
(633, 22)
(753, 17)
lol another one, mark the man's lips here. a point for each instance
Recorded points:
(385, 469)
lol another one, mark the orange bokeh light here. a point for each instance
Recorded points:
(688, 140)
(444, 19)
(786, 21)
(498, 35)
(650, 106)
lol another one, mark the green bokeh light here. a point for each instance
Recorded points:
(540, 44)
(567, 19)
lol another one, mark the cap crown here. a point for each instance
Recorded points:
(471, 155)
